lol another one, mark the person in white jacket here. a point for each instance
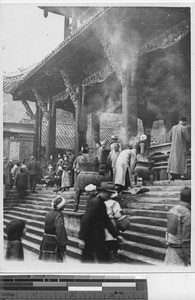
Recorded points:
(124, 167)
(114, 212)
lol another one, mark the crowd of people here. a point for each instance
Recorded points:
(116, 169)
(21, 175)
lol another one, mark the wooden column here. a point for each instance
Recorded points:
(80, 123)
(51, 130)
(36, 125)
(129, 110)
(39, 133)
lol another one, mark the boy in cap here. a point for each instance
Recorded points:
(53, 246)
(178, 234)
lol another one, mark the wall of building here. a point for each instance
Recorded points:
(18, 140)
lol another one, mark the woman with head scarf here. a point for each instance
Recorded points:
(15, 230)
(53, 246)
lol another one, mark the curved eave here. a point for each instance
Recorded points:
(51, 57)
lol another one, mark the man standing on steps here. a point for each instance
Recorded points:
(93, 224)
(177, 163)
(34, 173)
(178, 234)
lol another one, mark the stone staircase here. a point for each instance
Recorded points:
(144, 243)
(33, 210)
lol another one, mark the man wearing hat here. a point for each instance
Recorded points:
(180, 138)
(91, 191)
(178, 235)
(114, 140)
(53, 246)
(93, 224)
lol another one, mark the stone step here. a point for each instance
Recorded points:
(41, 209)
(148, 221)
(177, 182)
(162, 194)
(146, 213)
(73, 252)
(148, 229)
(155, 200)
(150, 206)
(11, 215)
(144, 238)
(27, 216)
(30, 211)
(138, 259)
(146, 250)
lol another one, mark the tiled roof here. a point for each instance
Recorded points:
(11, 80)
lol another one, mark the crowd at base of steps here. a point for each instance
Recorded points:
(121, 164)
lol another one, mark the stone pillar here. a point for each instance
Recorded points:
(95, 129)
(80, 123)
(51, 130)
(129, 111)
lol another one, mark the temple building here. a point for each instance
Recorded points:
(133, 61)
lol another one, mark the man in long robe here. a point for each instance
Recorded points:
(177, 163)
(124, 166)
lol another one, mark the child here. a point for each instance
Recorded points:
(54, 242)
(15, 230)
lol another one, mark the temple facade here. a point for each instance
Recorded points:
(133, 61)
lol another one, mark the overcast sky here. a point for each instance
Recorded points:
(26, 36)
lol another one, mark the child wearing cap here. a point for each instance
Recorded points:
(53, 246)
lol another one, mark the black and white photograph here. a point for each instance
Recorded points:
(96, 129)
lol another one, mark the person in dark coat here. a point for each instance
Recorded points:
(53, 246)
(34, 173)
(15, 230)
(178, 234)
(71, 159)
(93, 224)
(21, 183)
(180, 145)
(7, 167)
